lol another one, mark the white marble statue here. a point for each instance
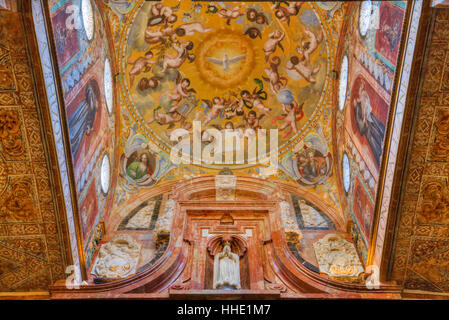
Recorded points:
(226, 269)
(337, 257)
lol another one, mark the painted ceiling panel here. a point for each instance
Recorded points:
(310, 82)
(232, 66)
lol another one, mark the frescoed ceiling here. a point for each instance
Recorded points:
(151, 88)
(229, 65)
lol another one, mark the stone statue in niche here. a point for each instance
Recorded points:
(118, 258)
(226, 270)
(337, 257)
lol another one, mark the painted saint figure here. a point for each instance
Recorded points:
(82, 120)
(226, 270)
(311, 164)
(139, 168)
(368, 124)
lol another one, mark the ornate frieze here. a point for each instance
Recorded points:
(225, 187)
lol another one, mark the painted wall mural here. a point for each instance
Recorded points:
(371, 47)
(84, 62)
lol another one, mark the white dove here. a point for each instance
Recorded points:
(226, 62)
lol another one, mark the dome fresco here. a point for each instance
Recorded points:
(243, 66)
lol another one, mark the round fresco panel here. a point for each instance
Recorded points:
(88, 18)
(241, 66)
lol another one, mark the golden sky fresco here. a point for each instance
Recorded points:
(282, 63)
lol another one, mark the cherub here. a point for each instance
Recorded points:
(298, 69)
(261, 18)
(141, 64)
(208, 138)
(161, 13)
(169, 118)
(275, 40)
(233, 107)
(308, 47)
(182, 54)
(254, 16)
(184, 124)
(252, 121)
(251, 14)
(253, 33)
(146, 83)
(292, 114)
(284, 13)
(253, 100)
(181, 91)
(251, 125)
(158, 35)
(229, 14)
(214, 108)
(276, 82)
(189, 29)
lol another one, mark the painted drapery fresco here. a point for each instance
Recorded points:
(84, 64)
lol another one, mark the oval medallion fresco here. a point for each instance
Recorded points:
(242, 66)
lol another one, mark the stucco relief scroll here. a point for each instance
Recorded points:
(225, 187)
(337, 257)
(118, 258)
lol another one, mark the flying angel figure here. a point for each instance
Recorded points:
(226, 62)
